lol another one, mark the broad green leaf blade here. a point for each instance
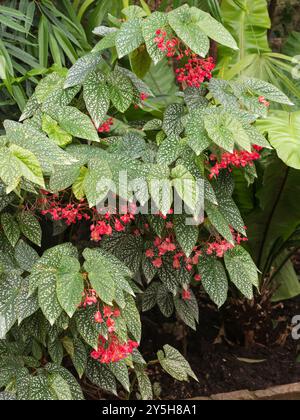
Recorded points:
(242, 270)
(150, 25)
(96, 97)
(81, 69)
(182, 22)
(69, 285)
(75, 123)
(214, 280)
(129, 37)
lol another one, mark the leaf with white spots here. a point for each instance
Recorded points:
(188, 310)
(172, 122)
(219, 222)
(87, 327)
(175, 364)
(26, 256)
(269, 91)
(48, 301)
(10, 228)
(242, 270)
(82, 68)
(132, 317)
(182, 22)
(197, 137)
(144, 383)
(30, 227)
(121, 91)
(101, 376)
(212, 28)
(96, 98)
(70, 285)
(186, 235)
(150, 25)
(129, 37)
(150, 296)
(120, 370)
(165, 301)
(214, 280)
(76, 123)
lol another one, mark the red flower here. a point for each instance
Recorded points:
(186, 294)
(99, 318)
(157, 263)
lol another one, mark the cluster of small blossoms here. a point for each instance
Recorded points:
(237, 159)
(196, 71)
(262, 100)
(221, 246)
(167, 245)
(70, 213)
(112, 350)
(106, 126)
(89, 298)
(110, 222)
(109, 315)
(143, 97)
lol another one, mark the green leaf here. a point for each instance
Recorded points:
(186, 235)
(242, 270)
(55, 132)
(87, 327)
(144, 383)
(69, 378)
(70, 285)
(149, 27)
(197, 136)
(219, 129)
(129, 37)
(81, 69)
(45, 150)
(188, 310)
(214, 280)
(78, 185)
(30, 227)
(175, 364)
(140, 62)
(183, 23)
(283, 129)
(212, 28)
(165, 301)
(63, 177)
(101, 376)
(269, 91)
(11, 228)
(60, 388)
(96, 97)
(120, 370)
(28, 164)
(169, 150)
(217, 219)
(121, 91)
(79, 357)
(101, 280)
(95, 183)
(75, 123)
(48, 301)
(132, 318)
(172, 123)
(26, 256)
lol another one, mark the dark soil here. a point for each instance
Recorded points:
(225, 361)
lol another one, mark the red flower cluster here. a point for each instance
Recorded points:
(106, 126)
(144, 96)
(221, 246)
(105, 227)
(108, 317)
(68, 212)
(196, 71)
(237, 159)
(89, 298)
(112, 351)
(263, 101)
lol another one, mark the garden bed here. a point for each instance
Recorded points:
(222, 362)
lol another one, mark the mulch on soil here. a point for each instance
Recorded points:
(222, 360)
